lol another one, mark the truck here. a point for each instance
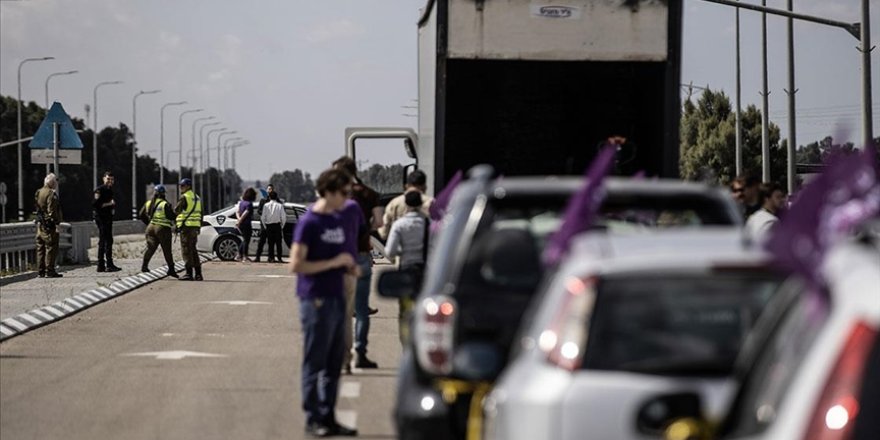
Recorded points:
(535, 87)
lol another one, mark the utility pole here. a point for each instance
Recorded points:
(739, 150)
(765, 109)
(792, 138)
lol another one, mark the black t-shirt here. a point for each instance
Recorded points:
(103, 194)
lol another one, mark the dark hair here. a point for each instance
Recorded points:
(332, 180)
(347, 164)
(108, 173)
(417, 178)
(249, 194)
(273, 195)
(413, 199)
(747, 180)
(267, 186)
(767, 190)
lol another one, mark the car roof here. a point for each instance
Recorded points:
(616, 185)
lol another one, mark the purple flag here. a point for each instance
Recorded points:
(441, 202)
(846, 194)
(582, 207)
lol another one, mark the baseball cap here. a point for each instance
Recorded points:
(159, 188)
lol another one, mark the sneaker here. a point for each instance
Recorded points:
(316, 429)
(113, 268)
(145, 269)
(186, 277)
(364, 362)
(373, 311)
(342, 431)
(199, 277)
(53, 275)
(102, 269)
(41, 274)
(173, 274)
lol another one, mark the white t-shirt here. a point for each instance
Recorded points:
(759, 224)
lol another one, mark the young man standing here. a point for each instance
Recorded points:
(273, 219)
(104, 207)
(320, 259)
(759, 224)
(48, 224)
(397, 207)
(189, 223)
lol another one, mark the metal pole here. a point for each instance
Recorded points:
(220, 178)
(739, 152)
(867, 117)
(201, 157)
(765, 119)
(134, 204)
(95, 129)
(180, 142)
(792, 135)
(192, 174)
(20, 167)
(208, 150)
(47, 95)
(162, 139)
(55, 142)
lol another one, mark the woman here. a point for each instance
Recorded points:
(245, 214)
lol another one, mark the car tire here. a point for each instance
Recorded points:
(226, 248)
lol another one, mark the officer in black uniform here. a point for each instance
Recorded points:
(104, 208)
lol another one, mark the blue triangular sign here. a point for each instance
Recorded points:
(67, 136)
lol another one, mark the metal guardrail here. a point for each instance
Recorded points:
(18, 247)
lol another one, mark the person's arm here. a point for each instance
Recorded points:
(52, 208)
(283, 216)
(377, 222)
(264, 214)
(169, 213)
(299, 264)
(392, 246)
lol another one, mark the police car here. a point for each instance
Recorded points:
(219, 235)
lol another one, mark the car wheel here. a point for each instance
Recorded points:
(226, 248)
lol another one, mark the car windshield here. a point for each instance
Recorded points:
(676, 324)
(222, 211)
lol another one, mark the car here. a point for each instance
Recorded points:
(627, 318)
(219, 236)
(434, 385)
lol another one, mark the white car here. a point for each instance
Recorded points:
(627, 318)
(219, 235)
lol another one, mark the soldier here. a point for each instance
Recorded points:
(48, 209)
(104, 206)
(189, 222)
(158, 213)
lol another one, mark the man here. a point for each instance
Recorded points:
(273, 219)
(189, 222)
(159, 214)
(269, 190)
(408, 240)
(761, 222)
(745, 190)
(104, 208)
(320, 260)
(48, 209)
(415, 181)
(368, 200)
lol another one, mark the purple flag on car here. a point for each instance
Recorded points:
(582, 207)
(842, 197)
(441, 202)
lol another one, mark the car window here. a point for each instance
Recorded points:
(675, 324)
(775, 366)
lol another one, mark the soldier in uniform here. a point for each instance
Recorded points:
(48, 223)
(189, 222)
(159, 214)
(104, 206)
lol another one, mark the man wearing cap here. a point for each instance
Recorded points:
(159, 214)
(189, 222)
(48, 223)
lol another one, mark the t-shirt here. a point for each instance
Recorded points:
(246, 210)
(354, 224)
(367, 199)
(103, 194)
(324, 235)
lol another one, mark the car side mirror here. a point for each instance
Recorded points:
(399, 284)
(478, 361)
(660, 413)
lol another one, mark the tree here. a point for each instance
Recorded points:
(294, 186)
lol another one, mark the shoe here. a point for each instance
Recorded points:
(317, 430)
(41, 274)
(198, 276)
(145, 269)
(257, 260)
(173, 274)
(111, 268)
(346, 369)
(102, 269)
(186, 277)
(373, 311)
(364, 362)
(53, 275)
(342, 431)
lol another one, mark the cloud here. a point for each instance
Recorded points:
(338, 29)
(230, 49)
(169, 40)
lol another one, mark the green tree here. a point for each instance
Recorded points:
(294, 186)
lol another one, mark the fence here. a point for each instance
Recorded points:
(18, 248)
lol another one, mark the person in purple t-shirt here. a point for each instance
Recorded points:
(320, 258)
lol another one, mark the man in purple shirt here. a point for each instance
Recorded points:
(320, 258)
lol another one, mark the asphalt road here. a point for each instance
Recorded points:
(121, 370)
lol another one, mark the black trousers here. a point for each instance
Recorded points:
(262, 242)
(245, 241)
(273, 233)
(105, 241)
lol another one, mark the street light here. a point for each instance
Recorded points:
(162, 139)
(201, 153)
(20, 170)
(226, 150)
(71, 72)
(208, 159)
(192, 174)
(220, 184)
(235, 147)
(95, 129)
(180, 141)
(134, 205)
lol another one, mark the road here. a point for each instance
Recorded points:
(121, 370)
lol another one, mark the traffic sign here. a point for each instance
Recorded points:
(65, 157)
(2, 187)
(3, 200)
(67, 137)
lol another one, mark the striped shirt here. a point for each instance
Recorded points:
(406, 239)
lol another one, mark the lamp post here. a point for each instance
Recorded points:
(208, 159)
(235, 147)
(95, 128)
(226, 150)
(192, 153)
(220, 184)
(71, 72)
(201, 153)
(162, 139)
(18, 107)
(134, 203)
(180, 141)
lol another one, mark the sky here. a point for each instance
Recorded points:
(290, 75)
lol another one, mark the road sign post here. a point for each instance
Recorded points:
(3, 201)
(56, 141)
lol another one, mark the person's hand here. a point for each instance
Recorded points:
(113, 203)
(345, 260)
(355, 270)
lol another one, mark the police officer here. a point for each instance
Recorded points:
(104, 207)
(159, 214)
(48, 209)
(189, 221)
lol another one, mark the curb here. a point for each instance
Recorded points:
(25, 322)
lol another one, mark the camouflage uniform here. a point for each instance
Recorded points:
(49, 215)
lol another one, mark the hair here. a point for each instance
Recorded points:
(332, 180)
(267, 186)
(50, 179)
(273, 195)
(417, 178)
(347, 164)
(767, 190)
(746, 180)
(249, 194)
(413, 199)
(108, 173)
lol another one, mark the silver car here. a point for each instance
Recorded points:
(627, 318)
(219, 235)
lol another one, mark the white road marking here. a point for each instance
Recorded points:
(238, 303)
(167, 334)
(53, 311)
(6, 331)
(66, 307)
(350, 390)
(14, 324)
(176, 355)
(42, 314)
(91, 296)
(30, 318)
(347, 417)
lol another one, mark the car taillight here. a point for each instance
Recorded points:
(838, 405)
(434, 334)
(565, 339)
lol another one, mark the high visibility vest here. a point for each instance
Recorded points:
(192, 216)
(159, 218)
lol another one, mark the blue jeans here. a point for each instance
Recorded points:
(362, 303)
(322, 325)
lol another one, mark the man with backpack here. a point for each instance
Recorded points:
(157, 214)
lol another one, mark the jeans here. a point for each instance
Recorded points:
(322, 326)
(246, 233)
(105, 240)
(362, 303)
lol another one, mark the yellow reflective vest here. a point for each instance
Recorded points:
(192, 215)
(159, 218)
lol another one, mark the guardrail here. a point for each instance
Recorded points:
(18, 247)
